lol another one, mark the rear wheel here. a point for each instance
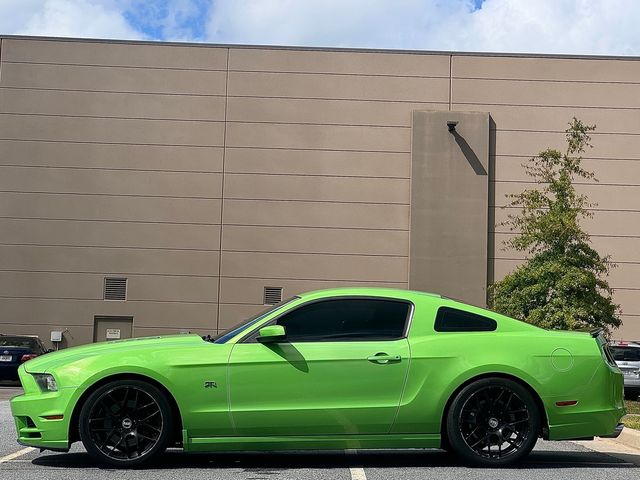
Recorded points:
(493, 422)
(126, 423)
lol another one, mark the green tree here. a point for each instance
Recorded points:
(563, 283)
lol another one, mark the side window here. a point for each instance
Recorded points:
(346, 320)
(454, 320)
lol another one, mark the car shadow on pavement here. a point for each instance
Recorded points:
(275, 461)
(9, 389)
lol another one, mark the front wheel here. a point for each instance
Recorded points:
(493, 422)
(126, 423)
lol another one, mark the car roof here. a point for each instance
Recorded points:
(625, 344)
(366, 292)
(18, 336)
(414, 296)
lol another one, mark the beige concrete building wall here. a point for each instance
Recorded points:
(317, 169)
(531, 100)
(205, 173)
(111, 158)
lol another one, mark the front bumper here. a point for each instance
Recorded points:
(30, 409)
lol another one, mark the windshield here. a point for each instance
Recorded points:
(23, 342)
(233, 331)
(626, 354)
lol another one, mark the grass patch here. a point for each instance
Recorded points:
(632, 406)
(631, 422)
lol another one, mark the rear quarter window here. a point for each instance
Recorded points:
(453, 320)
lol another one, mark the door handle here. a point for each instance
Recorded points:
(383, 358)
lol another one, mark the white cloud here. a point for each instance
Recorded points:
(554, 26)
(356, 23)
(538, 26)
(66, 18)
(544, 26)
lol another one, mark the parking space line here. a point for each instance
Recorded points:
(357, 473)
(19, 453)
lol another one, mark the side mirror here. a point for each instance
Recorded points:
(272, 334)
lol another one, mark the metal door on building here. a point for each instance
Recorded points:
(112, 328)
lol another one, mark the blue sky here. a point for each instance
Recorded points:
(163, 19)
(189, 18)
(527, 26)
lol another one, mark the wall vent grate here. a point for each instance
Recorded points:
(272, 295)
(115, 288)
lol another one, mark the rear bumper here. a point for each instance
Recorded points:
(600, 423)
(9, 371)
(598, 412)
(616, 433)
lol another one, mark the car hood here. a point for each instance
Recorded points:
(44, 363)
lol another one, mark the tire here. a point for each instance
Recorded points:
(493, 422)
(126, 423)
(631, 395)
(445, 445)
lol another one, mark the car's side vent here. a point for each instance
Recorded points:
(115, 288)
(272, 295)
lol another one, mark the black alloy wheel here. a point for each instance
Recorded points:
(493, 422)
(126, 423)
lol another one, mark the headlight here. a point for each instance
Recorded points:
(46, 382)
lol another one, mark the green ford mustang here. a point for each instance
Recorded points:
(334, 369)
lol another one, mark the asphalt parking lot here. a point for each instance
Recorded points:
(550, 460)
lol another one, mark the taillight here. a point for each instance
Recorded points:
(28, 356)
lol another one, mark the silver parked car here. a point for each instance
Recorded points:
(627, 356)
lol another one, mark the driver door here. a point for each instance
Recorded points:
(341, 370)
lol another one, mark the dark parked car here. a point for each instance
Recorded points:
(627, 356)
(15, 350)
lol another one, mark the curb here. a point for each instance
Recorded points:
(629, 437)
